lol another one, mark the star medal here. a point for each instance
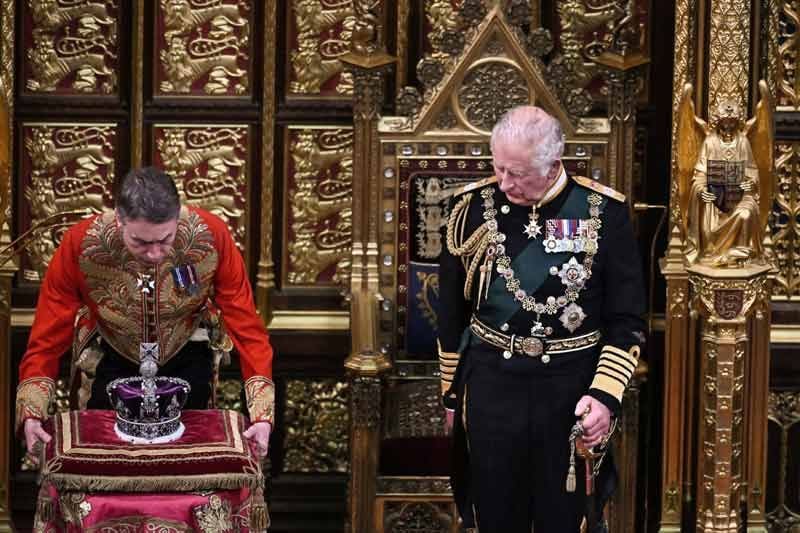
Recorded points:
(533, 229)
(573, 274)
(572, 317)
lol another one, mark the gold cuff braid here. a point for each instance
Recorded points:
(34, 397)
(615, 369)
(260, 392)
(448, 361)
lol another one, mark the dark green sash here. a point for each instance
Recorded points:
(532, 265)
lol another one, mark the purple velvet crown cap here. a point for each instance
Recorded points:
(140, 421)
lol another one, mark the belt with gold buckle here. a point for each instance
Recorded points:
(532, 346)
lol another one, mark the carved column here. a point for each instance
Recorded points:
(625, 79)
(369, 62)
(727, 300)
(7, 36)
(677, 395)
(265, 277)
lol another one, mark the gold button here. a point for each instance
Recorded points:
(506, 354)
(545, 359)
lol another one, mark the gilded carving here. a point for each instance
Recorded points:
(784, 411)
(365, 401)
(412, 517)
(229, 394)
(786, 21)
(210, 167)
(75, 47)
(729, 53)
(677, 301)
(265, 278)
(784, 222)
(706, 289)
(489, 90)
(317, 426)
(71, 166)
(320, 205)
(725, 181)
(323, 34)
(204, 48)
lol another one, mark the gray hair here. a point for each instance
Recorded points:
(531, 126)
(148, 194)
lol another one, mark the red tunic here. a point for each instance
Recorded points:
(94, 284)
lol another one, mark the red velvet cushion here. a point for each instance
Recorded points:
(85, 454)
(416, 456)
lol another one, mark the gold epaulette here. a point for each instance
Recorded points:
(471, 186)
(596, 186)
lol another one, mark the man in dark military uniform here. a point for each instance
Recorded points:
(540, 326)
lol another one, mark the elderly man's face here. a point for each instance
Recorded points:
(521, 183)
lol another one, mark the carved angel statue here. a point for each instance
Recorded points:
(725, 181)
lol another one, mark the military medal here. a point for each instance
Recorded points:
(572, 317)
(533, 229)
(570, 235)
(573, 274)
(185, 278)
(145, 283)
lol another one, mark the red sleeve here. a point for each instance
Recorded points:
(234, 298)
(59, 301)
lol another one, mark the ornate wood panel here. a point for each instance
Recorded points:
(786, 221)
(211, 165)
(318, 206)
(70, 48)
(203, 48)
(318, 34)
(783, 504)
(64, 167)
(317, 426)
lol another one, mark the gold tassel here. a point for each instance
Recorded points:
(259, 514)
(571, 477)
(45, 507)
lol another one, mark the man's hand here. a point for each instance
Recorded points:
(596, 422)
(746, 185)
(34, 434)
(258, 434)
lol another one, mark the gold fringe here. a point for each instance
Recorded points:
(152, 483)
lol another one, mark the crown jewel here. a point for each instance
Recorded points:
(148, 406)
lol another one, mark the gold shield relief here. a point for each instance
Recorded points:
(70, 49)
(64, 167)
(318, 198)
(203, 49)
(317, 36)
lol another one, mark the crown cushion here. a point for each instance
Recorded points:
(86, 454)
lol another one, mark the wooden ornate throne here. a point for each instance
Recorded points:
(405, 165)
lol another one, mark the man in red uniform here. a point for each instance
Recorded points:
(150, 271)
